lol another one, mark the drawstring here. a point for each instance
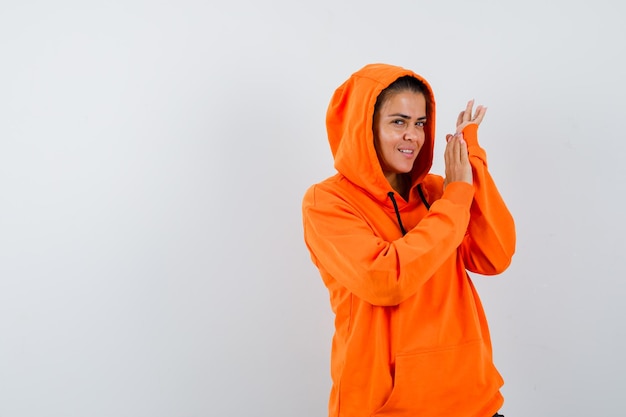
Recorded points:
(422, 196)
(395, 205)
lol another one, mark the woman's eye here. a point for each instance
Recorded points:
(421, 123)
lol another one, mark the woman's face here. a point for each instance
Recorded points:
(399, 132)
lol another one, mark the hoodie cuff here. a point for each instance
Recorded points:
(470, 134)
(459, 192)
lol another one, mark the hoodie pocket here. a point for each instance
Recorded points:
(447, 381)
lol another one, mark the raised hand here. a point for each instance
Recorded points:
(458, 167)
(465, 117)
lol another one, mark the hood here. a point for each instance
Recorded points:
(349, 122)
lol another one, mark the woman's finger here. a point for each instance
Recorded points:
(459, 120)
(468, 111)
(463, 156)
(480, 114)
(450, 152)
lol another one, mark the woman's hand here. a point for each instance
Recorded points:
(465, 117)
(458, 167)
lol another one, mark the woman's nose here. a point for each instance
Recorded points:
(411, 134)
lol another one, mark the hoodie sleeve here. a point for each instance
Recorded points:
(489, 244)
(344, 245)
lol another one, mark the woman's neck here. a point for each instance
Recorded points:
(400, 183)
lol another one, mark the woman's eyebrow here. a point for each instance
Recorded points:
(404, 116)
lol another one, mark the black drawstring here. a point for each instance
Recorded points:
(395, 207)
(422, 196)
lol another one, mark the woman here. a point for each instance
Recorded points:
(393, 244)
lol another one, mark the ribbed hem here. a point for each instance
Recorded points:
(470, 134)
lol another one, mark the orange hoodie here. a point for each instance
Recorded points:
(411, 337)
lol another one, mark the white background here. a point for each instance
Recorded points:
(153, 158)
